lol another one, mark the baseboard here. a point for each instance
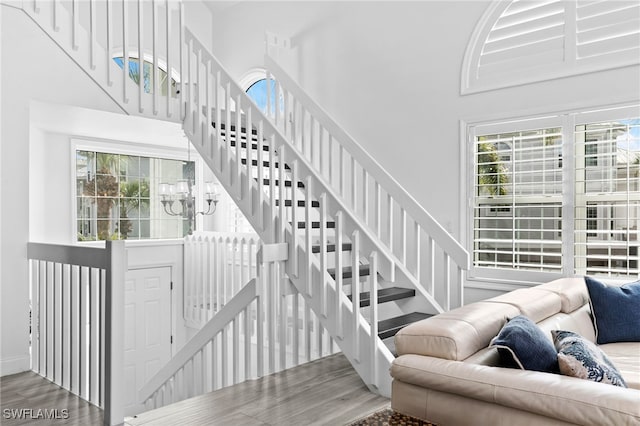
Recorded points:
(15, 365)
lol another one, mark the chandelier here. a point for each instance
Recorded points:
(182, 191)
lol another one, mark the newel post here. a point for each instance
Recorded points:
(114, 334)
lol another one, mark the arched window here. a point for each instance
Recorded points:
(258, 93)
(522, 42)
(147, 73)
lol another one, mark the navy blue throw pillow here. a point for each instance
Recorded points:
(616, 311)
(523, 340)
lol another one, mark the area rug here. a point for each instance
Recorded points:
(388, 417)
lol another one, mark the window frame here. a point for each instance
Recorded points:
(567, 120)
(133, 149)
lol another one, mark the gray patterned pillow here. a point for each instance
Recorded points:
(579, 357)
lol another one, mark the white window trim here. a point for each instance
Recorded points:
(137, 149)
(489, 278)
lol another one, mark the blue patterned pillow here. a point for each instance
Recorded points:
(527, 344)
(616, 311)
(578, 357)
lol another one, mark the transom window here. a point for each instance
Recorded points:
(116, 196)
(535, 210)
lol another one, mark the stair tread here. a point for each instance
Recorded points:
(265, 163)
(287, 183)
(254, 146)
(316, 225)
(301, 203)
(389, 327)
(386, 295)
(331, 248)
(347, 271)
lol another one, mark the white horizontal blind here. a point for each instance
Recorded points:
(528, 41)
(607, 205)
(526, 35)
(518, 200)
(609, 29)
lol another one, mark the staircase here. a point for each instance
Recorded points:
(367, 258)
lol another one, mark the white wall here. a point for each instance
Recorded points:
(31, 69)
(389, 72)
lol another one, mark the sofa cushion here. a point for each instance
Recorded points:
(456, 334)
(578, 357)
(526, 343)
(616, 311)
(572, 291)
(532, 302)
(626, 357)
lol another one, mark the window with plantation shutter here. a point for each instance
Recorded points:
(607, 205)
(518, 200)
(523, 41)
(533, 210)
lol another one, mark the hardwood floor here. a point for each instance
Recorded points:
(324, 392)
(29, 399)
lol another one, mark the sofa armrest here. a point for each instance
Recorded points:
(567, 398)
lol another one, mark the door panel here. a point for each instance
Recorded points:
(147, 329)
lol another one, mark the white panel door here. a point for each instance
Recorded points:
(147, 329)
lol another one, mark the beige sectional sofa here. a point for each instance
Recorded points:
(446, 373)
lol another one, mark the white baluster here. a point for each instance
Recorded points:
(338, 279)
(92, 35)
(140, 56)
(74, 24)
(168, 31)
(308, 236)
(323, 254)
(154, 49)
(355, 291)
(373, 306)
(125, 51)
(108, 41)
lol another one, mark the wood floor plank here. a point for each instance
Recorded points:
(327, 391)
(30, 391)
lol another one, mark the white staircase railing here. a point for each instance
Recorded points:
(77, 321)
(420, 246)
(216, 266)
(349, 231)
(264, 328)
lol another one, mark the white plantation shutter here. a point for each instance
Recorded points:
(527, 35)
(527, 41)
(609, 30)
(607, 206)
(535, 212)
(518, 200)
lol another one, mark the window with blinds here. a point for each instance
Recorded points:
(528, 41)
(518, 200)
(607, 200)
(531, 213)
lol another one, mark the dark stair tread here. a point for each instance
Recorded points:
(389, 327)
(265, 163)
(386, 295)
(287, 183)
(316, 225)
(331, 248)
(233, 128)
(254, 146)
(347, 271)
(301, 203)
